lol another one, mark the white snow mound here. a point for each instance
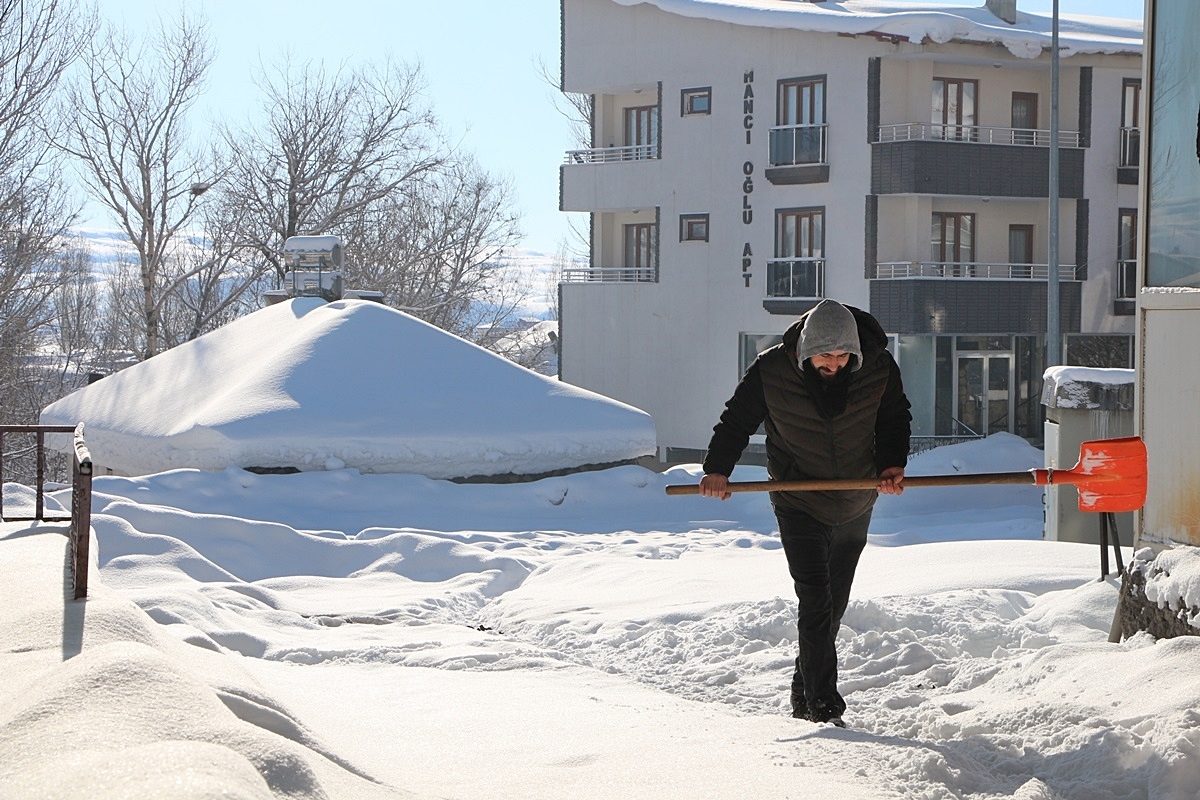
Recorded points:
(350, 384)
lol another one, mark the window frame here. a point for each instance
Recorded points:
(687, 98)
(1127, 253)
(642, 122)
(688, 224)
(1131, 128)
(640, 239)
(939, 256)
(959, 128)
(794, 245)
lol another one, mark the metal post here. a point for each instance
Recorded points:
(1103, 546)
(39, 503)
(1053, 331)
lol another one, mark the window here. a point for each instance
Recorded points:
(953, 243)
(953, 114)
(798, 269)
(750, 345)
(641, 131)
(696, 101)
(1131, 139)
(693, 227)
(1127, 254)
(1102, 351)
(1024, 118)
(799, 133)
(1020, 250)
(641, 247)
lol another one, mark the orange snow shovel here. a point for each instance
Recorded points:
(1110, 476)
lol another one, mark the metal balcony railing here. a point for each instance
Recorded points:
(1127, 278)
(975, 134)
(792, 145)
(795, 277)
(1131, 143)
(612, 155)
(610, 274)
(943, 269)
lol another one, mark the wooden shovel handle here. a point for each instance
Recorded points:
(977, 479)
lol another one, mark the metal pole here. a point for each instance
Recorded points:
(1053, 332)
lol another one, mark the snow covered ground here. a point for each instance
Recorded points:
(335, 634)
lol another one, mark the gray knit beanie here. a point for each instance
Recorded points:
(829, 327)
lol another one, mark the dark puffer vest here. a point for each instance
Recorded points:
(810, 438)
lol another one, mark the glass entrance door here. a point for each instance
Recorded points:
(982, 396)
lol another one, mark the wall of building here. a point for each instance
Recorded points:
(672, 347)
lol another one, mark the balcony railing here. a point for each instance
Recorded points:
(939, 269)
(795, 277)
(1127, 278)
(610, 274)
(975, 134)
(611, 155)
(792, 145)
(1131, 143)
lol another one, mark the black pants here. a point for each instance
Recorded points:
(821, 559)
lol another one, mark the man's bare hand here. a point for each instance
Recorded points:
(890, 481)
(713, 485)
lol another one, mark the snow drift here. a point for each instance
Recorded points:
(351, 384)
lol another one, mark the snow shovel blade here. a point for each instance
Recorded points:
(1110, 476)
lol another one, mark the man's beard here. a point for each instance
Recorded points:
(831, 378)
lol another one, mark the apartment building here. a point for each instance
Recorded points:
(750, 157)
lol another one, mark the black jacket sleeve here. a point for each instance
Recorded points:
(744, 412)
(893, 423)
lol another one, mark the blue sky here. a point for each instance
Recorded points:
(480, 59)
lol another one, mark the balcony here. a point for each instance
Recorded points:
(613, 155)
(1130, 155)
(611, 178)
(795, 277)
(924, 158)
(1125, 303)
(610, 275)
(798, 154)
(794, 285)
(894, 270)
(965, 297)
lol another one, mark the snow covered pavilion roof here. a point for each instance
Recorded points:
(919, 22)
(313, 386)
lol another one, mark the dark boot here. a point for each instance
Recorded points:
(800, 708)
(830, 711)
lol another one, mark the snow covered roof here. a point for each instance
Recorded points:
(1088, 388)
(356, 384)
(919, 22)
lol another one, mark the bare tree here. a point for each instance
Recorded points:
(38, 42)
(48, 359)
(128, 130)
(222, 287)
(437, 250)
(331, 146)
(577, 108)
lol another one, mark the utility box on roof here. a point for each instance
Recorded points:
(314, 269)
(1083, 404)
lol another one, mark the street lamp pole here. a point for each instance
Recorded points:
(1053, 332)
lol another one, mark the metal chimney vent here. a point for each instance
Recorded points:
(1004, 9)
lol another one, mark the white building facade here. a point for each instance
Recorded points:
(750, 158)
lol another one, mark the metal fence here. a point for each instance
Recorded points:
(81, 495)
